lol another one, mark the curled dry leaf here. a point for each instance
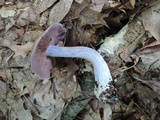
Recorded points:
(44, 18)
(21, 49)
(153, 47)
(59, 11)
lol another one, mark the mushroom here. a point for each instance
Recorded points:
(101, 70)
(46, 49)
(40, 64)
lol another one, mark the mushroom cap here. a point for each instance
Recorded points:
(40, 64)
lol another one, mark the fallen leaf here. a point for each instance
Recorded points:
(18, 111)
(91, 17)
(151, 20)
(44, 18)
(44, 5)
(59, 11)
(97, 5)
(9, 38)
(10, 24)
(6, 12)
(20, 31)
(21, 49)
(152, 47)
(32, 35)
(28, 15)
(155, 85)
(74, 12)
(132, 2)
(1, 23)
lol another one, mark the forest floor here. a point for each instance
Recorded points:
(127, 35)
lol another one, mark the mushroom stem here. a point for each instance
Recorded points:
(101, 71)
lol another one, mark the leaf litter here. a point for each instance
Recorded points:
(125, 33)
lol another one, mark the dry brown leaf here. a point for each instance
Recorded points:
(20, 31)
(132, 2)
(155, 85)
(44, 5)
(97, 5)
(153, 47)
(74, 12)
(129, 5)
(91, 17)
(59, 11)
(115, 20)
(32, 35)
(51, 97)
(28, 15)
(22, 49)
(151, 20)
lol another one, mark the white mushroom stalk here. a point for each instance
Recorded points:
(101, 71)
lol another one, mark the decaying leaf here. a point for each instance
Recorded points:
(9, 38)
(32, 35)
(10, 24)
(44, 5)
(59, 11)
(91, 17)
(1, 23)
(7, 11)
(152, 47)
(21, 49)
(44, 18)
(151, 20)
(97, 5)
(155, 85)
(20, 31)
(17, 110)
(27, 16)
(74, 12)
